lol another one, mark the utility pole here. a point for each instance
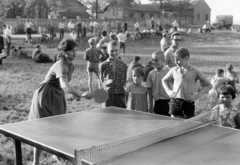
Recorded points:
(96, 9)
(161, 7)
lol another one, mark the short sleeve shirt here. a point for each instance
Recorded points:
(154, 81)
(226, 116)
(92, 54)
(169, 57)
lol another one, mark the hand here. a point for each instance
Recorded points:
(109, 82)
(77, 98)
(172, 94)
(192, 98)
(150, 110)
(87, 95)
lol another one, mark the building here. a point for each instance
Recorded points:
(199, 11)
(74, 8)
(137, 11)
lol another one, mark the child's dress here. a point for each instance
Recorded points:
(137, 97)
(226, 116)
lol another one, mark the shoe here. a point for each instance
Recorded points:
(3, 55)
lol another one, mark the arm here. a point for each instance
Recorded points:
(165, 82)
(205, 90)
(150, 100)
(68, 88)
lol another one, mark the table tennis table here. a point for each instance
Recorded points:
(64, 135)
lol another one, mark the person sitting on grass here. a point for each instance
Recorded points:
(217, 81)
(92, 56)
(22, 54)
(225, 113)
(14, 52)
(232, 75)
(40, 57)
(184, 77)
(132, 65)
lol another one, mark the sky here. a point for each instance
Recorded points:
(221, 7)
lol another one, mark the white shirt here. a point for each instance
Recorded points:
(163, 44)
(28, 24)
(61, 25)
(91, 24)
(73, 36)
(136, 25)
(71, 25)
(95, 24)
(7, 32)
(121, 37)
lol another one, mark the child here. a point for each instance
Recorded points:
(154, 83)
(22, 54)
(137, 93)
(132, 65)
(225, 113)
(232, 75)
(184, 77)
(113, 76)
(217, 81)
(92, 56)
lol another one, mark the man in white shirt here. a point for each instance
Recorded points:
(164, 43)
(70, 26)
(61, 27)
(95, 25)
(28, 26)
(8, 38)
(122, 39)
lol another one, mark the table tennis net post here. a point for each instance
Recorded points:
(99, 154)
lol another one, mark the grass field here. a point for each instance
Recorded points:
(20, 77)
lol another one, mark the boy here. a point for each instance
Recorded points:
(217, 81)
(122, 40)
(184, 77)
(176, 38)
(154, 83)
(232, 76)
(113, 76)
(92, 56)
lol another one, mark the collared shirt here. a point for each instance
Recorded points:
(154, 81)
(7, 32)
(169, 57)
(61, 25)
(121, 37)
(164, 44)
(118, 77)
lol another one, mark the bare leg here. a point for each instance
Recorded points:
(90, 82)
(36, 156)
(99, 82)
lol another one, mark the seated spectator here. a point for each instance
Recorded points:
(14, 52)
(40, 57)
(22, 54)
(135, 63)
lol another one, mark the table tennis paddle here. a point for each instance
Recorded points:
(99, 96)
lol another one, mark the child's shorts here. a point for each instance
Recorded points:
(93, 67)
(180, 107)
(122, 45)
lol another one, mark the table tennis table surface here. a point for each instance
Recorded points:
(63, 134)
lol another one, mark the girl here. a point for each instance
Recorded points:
(137, 93)
(226, 114)
(49, 97)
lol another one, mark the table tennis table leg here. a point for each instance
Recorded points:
(18, 152)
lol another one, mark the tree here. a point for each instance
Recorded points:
(55, 6)
(36, 8)
(11, 8)
(91, 5)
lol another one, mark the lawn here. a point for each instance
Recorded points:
(20, 77)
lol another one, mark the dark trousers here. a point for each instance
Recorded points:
(161, 107)
(84, 32)
(116, 100)
(8, 48)
(61, 34)
(79, 31)
(29, 33)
